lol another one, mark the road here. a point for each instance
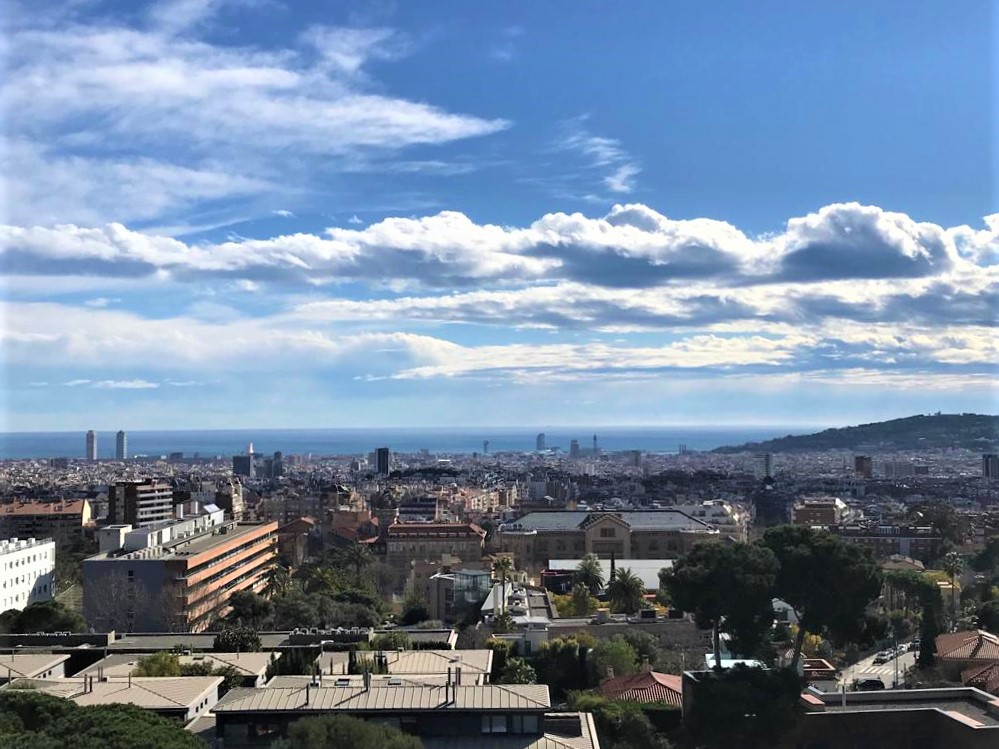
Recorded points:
(886, 671)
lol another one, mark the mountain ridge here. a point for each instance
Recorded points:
(934, 431)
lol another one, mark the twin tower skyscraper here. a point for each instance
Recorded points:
(120, 445)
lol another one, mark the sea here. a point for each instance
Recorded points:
(361, 441)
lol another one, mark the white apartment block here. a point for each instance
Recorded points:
(27, 571)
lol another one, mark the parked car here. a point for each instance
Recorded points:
(914, 645)
(868, 684)
(883, 657)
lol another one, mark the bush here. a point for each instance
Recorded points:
(237, 640)
(328, 731)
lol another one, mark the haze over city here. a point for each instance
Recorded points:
(226, 214)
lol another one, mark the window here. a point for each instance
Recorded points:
(494, 724)
(608, 532)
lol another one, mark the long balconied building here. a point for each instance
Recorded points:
(175, 576)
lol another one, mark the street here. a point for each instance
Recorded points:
(884, 671)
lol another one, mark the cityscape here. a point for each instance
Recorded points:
(498, 375)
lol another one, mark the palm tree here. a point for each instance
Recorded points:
(590, 573)
(278, 580)
(358, 557)
(503, 566)
(626, 592)
(953, 565)
(318, 579)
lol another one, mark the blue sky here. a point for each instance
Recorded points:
(254, 213)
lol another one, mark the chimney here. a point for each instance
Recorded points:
(367, 680)
(307, 693)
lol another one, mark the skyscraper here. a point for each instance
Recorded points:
(540, 442)
(990, 466)
(574, 449)
(91, 445)
(764, 465)
(382, 460)
(121, 445)
(596, 448)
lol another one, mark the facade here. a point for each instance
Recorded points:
(121, 446)
(453, 595)
(729, 519)
(763, 465)
(538, 537)
(140, 503)
(409, 542)
(863, 466)
(475, 665)
(32, 666)
(63, 521)
(27, 572)
(990, 466)
(918, 542)
(540, 442)
(91, 445)
(819, 511)
(383, 460)
(175, 576)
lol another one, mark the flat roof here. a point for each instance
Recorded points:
(306, 699)
(561, 731)
(151, 692)
(979, 709)
(151, 642)
(564, 520)
(122, 664)
(415, 661)
(28, 664)
(357, 680)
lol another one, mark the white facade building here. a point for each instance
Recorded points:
(27, 572)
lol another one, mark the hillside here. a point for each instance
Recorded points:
(971, 431)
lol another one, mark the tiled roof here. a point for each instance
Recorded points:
(417, 529)
(645, 687)
(638, 521)
(985, 678)
(400, 698)
(972, 645)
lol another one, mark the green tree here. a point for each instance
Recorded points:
(561, 663)
(988, 616)
(30, 720)
(827, 582)
(357, 557)
(47, 616)
(518, 671)
(414, 609)
(931, 604)
(293, 661)
(249, 609)
(614, 657)
(236, 640)
(502, 567)
(626, 592)
(987, 560)
(158, 664)
(647, 648)
(590, 573)
(278, 580)
(953, 565)
(296, 610)
(583, 602)
(727, 588)
(395, 640)
(662, 594)
(342, 731)
(620, 724)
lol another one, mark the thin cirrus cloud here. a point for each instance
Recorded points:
(212, 122)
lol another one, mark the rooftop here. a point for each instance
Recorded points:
(65, 507)
(556, 520)
(122, 664)
(28, 664)
(968, 645)
(561, 731)
(650, 686)
(19, 544)
(416, 661)
(533, 697)
(153, 693)
(971, 706)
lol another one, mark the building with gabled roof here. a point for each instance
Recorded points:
(251, 666)
(475, 665)
(32, 666)
(647, 687)
(958, 651)
(985, 678)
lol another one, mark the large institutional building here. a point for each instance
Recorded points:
(27, 572)
(175, 576)
(538, 537)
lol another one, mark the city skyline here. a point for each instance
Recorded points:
(264, 215)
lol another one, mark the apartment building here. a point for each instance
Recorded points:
(63, 521)
(538, 537)
(819, 511)
(27, 572)
(140, 503)
(409, 542)
(918, 542)
(175, 576)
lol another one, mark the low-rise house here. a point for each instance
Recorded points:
(985, 678)
(959, 651)
(251, 666)
(184, 697)
(475, 665)
(647, 687)
(32, 666)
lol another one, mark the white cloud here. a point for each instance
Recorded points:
(136, 384)
(283, 213)
(602, 154)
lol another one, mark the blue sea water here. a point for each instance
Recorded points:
(325, 442)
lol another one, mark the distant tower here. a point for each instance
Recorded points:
(863, 466)
(91, 445)
(540, 443)
(990, 466)
(596, 450)
(382, 460)
(485, 447)
(249, 448)
(121, 445)
(574, 449)
(764, 465)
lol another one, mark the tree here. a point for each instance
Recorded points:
(561, 663)
(590, 573)
(334, 731)
(626, 592)
(613, 657)
(31, 720)
(987, 560)
(827, 582)
(236, 640)
(46, 616)
(278, 580)
(293, 661)
(518, 671)
(503, 566)
(414, 609)
(647, 648)
(357, 557)
(953, 565)
(158, 664)
(583, 602)
(662, 594)
(988, 616)
(391, 641)
(620, 724)
(249, 609)
(929, 623)
(727, 588)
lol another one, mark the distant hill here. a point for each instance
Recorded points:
(971, 431)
